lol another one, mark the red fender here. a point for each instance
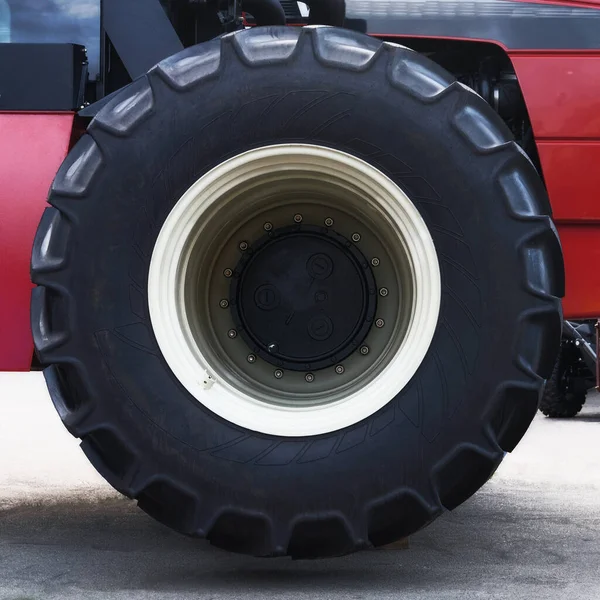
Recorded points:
(561, 90)
(32, 147)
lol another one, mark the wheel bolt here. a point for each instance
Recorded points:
(272, 347)
(379, 323)
(224, 303)
(278, 374)
(251, 358)
(228, 272)
(309, 377)
(364, 350)
(243, 246)
(298, 218)
(339, 369)
(375, 262)
(232, 334)
(329, 221)
(356, 237)
(383, 292)
(268, 226)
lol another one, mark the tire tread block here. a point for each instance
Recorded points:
(77, 172)
(321, 537)
(127, 110)
(242, 532)
(460, 475)
(51, 243)
(171, 505)
(398, 516)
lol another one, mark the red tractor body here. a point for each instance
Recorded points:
(560, 81)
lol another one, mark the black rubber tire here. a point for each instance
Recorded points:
(556, 402)
(433, 445)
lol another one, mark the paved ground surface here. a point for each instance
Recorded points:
(532, 532)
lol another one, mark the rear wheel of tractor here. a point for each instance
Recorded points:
(558, 401)
(297, 292)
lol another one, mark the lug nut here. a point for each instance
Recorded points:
(383, 292)
(356, 237)
(268, 226)
(309, 377)
(339, 369)
(364, 350)
(329, 221)
(251, 358)
(375, 262)
(272, 347)
(278, 374)
(224, 303)
(379, 323)
(298, 218)
(232, 334)
(243, 246)
(228, 272)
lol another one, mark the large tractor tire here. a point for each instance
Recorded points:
(297, 292)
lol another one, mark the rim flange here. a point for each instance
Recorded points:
(316, 405)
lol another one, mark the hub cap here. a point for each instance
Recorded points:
(303, 297)
(294, 290)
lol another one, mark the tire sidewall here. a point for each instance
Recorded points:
(189, 133)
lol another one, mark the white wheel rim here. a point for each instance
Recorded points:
(210, 209)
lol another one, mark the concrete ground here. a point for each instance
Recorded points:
(532, 532)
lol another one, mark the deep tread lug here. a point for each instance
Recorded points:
(268, 45)
(50, 243)
(544, 264)
(419, 77)
(461, 474)
(191, 66)
(108, 452)
(127, 110)
(345, 49)
(321, 537)
(479, 129)
(537, 330)
(523, 191)
(513, 409)
(49, 313)
(397, 516)
(71, 406)
(242, 532)
(76, 174)
(170, 504)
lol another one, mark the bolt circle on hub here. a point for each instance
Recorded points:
(302, 299)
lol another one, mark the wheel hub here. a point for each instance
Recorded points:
(294, 289)
(303, 297)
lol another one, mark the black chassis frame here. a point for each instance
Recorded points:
(136, 34)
